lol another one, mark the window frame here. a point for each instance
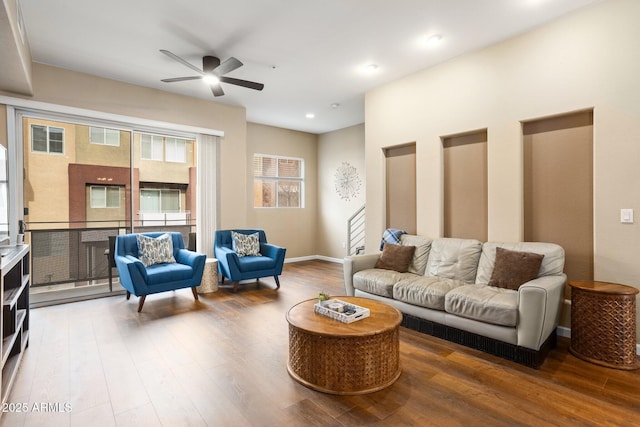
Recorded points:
(48, 133)
(176, 141)
(276, 179)
(160, 191)
(104, 136)
(105, 198)
(154, 156)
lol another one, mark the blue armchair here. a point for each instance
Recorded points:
(236, 268)
(141, 281)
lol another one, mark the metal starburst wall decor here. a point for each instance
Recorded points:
(347, 181)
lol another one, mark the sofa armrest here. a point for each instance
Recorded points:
(539, 305)
(353, 264)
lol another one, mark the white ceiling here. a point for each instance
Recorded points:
(309, 54)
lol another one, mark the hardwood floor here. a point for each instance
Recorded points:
(221, 361)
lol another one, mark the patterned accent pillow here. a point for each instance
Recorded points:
(514, 268)
(155, 251)
(246, 244)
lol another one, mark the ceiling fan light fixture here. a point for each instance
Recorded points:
(211, 79)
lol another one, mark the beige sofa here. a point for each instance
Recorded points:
(445, 293)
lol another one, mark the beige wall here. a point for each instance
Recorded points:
(586, 59)
(69, 88)
(344, 145)
(3, 126)
(292, 228)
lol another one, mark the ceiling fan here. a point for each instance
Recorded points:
(213, 72)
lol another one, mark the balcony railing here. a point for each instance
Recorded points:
(63, 253)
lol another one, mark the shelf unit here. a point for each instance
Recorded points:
(14, 294)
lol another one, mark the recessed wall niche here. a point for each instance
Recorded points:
(558, 187)
(465, 185)
(401, 187)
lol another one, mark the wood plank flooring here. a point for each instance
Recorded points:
(222, 362)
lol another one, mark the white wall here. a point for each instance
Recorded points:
(586, 59)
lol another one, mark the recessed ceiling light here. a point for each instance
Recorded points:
(335, 105)
(310, 115)
(433, 40)
(370, 68)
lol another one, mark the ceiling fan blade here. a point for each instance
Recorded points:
(181, 79)
(243, 83)
(209, 63)
(216, 90)
(227, 66)
(182, 61)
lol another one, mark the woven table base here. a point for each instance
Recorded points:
(333, 357)
(603, 327)
(351, 365)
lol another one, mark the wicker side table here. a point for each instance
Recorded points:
(209, 277)
(603, 324)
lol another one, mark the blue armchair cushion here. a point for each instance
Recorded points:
(245, 244)
(155, 250)
(162, 273)
(255, 263)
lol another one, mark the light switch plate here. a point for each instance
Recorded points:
(626, 216)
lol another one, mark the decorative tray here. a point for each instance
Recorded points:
(341, 311)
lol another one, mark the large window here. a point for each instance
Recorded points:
(47, 139)
(105, 197)
(104, 136)
(278, 182)
(159, 200)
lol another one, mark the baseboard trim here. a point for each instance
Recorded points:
(314, 258)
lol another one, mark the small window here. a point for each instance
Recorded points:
(278, 182)
(105, 197)
(175, 150)
(47, 139)
(151, 147)
(104, 136)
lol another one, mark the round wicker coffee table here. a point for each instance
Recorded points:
(344, 358)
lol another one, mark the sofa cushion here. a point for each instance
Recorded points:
(419, 261)
(484, 303)
(513, 268)
(155, 250)
(245, 244)
(395, 257)
(378, 281)
(424, 291)
(552, 263)
(454, 259)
